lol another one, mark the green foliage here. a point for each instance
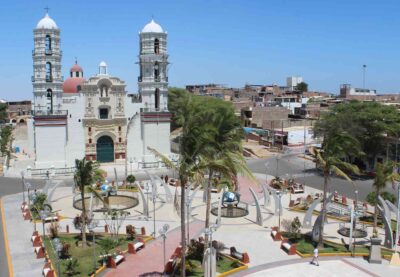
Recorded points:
(303, 86)
(130, 179)
(3, 112)
(71, 267)
(107, 244)
(367, 122)
(371, 197)
(98, 175)
(195, 250)
(130, 232)
(5, 138)
(291, 226)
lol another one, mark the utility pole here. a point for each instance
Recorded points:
(364, 67)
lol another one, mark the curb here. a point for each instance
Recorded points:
(6, 247)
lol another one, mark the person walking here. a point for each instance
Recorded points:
(315, 257)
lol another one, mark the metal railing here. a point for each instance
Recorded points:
(50, 113)
(52, 171)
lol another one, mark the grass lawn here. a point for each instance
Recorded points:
(223, 265)
(305, 246)
(83, 255)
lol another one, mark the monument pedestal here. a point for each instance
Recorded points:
(375, 251)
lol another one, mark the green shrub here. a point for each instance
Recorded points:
(71, 267)
(131, 179)
(371, 197)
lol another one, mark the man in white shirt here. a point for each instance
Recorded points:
(315, 258)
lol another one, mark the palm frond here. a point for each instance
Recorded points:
(163, 158)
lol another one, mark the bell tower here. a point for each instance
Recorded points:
(153, 89)
(47, 80)
(153, 63)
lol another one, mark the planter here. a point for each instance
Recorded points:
(375, 251)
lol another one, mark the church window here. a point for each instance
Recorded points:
(119, 139)
(90, 129)
(48, 44)
(76, 74)
(156, 46)
(90, 140)
(103, 112)
(119, 128)
(157, 99)
(48, 72)
(156, 71)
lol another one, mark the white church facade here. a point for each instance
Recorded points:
(95, 117)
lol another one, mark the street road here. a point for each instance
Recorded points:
(10, 186)
(304, 171)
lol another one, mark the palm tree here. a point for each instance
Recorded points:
(84, 176)
(222, 152)
(330, 160)
(384, 174)
(188, 115)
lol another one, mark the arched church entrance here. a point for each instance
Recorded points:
(105, 149)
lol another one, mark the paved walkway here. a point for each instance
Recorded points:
(24, 262)
(150, 259)
(329, 266)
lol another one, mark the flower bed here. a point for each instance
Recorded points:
(83, 255)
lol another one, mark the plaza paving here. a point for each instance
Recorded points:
(266, 257)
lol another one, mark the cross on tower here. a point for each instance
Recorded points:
(47, 9)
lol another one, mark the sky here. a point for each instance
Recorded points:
(225, 42)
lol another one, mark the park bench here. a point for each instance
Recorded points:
(134, 247)
(47, 271)
(289, 248)
(51, 219)
(241, 256)
(276, 234)
(24, 207)
(39, 251)
(27, 215)
(172, 262)
(113, 262)
(36, 241)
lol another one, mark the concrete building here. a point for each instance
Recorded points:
(19, 111)
(293, 81)
(96, 118)
(348, 92)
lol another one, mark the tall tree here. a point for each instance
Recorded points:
(186, 113)
(84, 177)
(303, 86)
(384, 173)
(330, 159)
(222, 151)
(370, 123)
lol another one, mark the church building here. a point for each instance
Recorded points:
(95, 117)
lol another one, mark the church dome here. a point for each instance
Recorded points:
(152, 27)
(46, 23)
(76, 80)
(71, 84)
(76, 68)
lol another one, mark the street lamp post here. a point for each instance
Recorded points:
(163, 233)
(58, 247)
(131, 162)
(208, 232)
(93, 224)
(23, 187)
(43, 215)
(279, 194)
(28, 187)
